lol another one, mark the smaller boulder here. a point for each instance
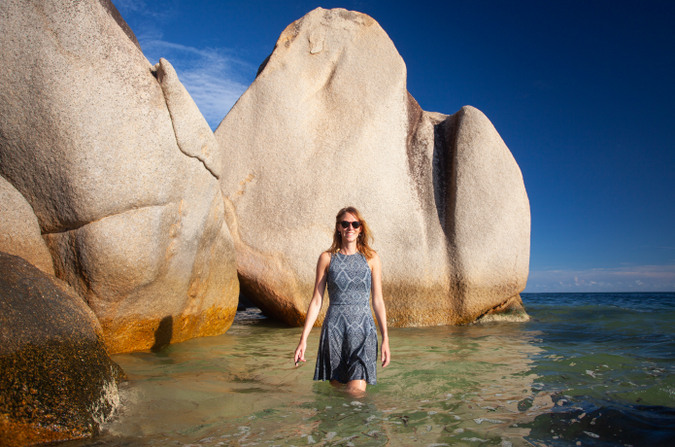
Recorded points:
(20, 232)
(57, 380)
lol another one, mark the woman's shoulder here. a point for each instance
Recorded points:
(370, 254)
(323, 262)
(374, 258)
(325, 257)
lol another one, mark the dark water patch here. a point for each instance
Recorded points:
(599, 345)
(596, 423)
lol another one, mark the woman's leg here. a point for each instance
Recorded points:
(356, 388)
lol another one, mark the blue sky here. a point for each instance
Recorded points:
(582, 92)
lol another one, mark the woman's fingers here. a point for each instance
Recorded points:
(299, 355)
(385, 357)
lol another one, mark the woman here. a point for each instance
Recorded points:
(348, 344)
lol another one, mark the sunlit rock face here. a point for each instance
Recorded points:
(109, 153)
(328, 122)
(57, 380)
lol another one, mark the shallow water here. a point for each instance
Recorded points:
(586, 370)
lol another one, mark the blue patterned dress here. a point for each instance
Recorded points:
(348, 343)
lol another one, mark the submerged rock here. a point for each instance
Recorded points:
(328, 122)
(112, 161)
(57, 380)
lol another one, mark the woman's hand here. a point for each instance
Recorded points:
(386, 354)
(300, 352)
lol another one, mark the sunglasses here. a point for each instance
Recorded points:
(345, 224)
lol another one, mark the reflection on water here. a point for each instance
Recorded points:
(545, 382)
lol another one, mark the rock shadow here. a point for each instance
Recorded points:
(443, 172)
(163, 334)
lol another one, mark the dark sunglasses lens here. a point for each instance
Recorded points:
(345, 224)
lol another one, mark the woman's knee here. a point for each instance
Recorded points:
(356, 385)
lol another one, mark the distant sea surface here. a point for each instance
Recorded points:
(587, 369)
(608, 360)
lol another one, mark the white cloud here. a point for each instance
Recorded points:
(140, 7)
(645, 278)
(214, 79)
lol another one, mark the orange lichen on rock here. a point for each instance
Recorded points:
(139, 334)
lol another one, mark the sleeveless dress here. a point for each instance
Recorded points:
(348, 342)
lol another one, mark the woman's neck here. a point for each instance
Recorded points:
(348, 248)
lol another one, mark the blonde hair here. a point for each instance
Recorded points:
(365, 237)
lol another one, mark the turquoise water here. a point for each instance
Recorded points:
(587, 369)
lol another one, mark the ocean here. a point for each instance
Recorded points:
(586, 370)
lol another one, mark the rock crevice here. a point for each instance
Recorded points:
(193, 134)
(78, 225)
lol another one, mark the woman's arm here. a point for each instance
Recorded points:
(314, 305)
(378, 306)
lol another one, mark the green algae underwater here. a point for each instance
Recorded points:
(587, 369)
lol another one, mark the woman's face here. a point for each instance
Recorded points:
(350, 233)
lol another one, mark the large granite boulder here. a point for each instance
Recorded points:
(328, 122)
(109, 153)
(57, 380)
